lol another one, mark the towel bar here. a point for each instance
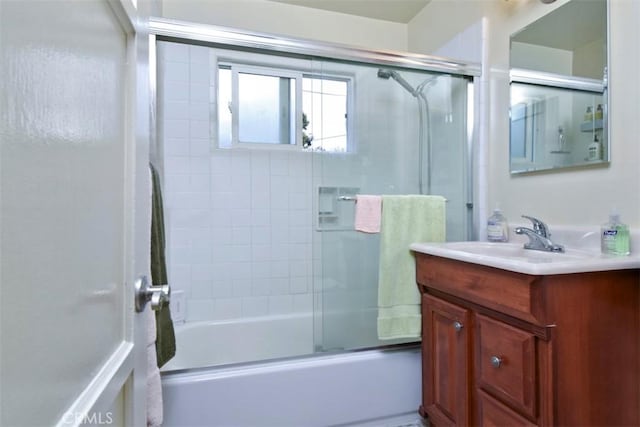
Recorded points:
(354, 199)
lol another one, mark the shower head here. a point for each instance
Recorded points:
(385, 74)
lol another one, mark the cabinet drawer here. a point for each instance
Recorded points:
(493, 413)
(515, 294)
(505, 364)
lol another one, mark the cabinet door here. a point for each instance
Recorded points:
(446, 332)
(495, 414)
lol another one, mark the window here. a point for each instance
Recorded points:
(281, 108)
(324, 102)
(257, 106)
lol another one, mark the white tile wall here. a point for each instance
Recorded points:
(239, 221)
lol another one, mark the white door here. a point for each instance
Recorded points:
(74, 221)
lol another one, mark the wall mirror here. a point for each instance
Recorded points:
(558, 89)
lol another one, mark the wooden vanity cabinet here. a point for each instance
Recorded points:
(501, 348)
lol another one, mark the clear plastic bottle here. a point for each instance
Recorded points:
(588, 115)
(599, 113)
(614, 236)
(595, 149)
(497, 227)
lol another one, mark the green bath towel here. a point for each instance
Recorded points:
(405, 220)
(165, 336)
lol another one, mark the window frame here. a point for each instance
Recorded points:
(297, 75)
(236, 69)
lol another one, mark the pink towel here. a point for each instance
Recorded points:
(368, 213)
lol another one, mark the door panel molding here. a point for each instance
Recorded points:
(97, 398)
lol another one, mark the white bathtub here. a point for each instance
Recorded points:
(204, 344)
(373, 388)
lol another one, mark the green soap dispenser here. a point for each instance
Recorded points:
(614, 236)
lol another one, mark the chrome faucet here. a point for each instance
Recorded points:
(539, 237)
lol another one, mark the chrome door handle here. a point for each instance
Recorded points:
(144, 293)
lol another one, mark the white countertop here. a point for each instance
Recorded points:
(582, 254)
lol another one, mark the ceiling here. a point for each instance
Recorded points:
(401, 11)
(568, 27)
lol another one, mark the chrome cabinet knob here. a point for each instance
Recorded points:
(496, 361)
(458, 326)
(144, 293)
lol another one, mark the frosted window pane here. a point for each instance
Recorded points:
(264, 113)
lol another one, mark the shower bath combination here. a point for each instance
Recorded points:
(424, 137)
(247, 252)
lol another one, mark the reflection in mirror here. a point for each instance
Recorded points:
(558, 115)
(571, 40)
(554, 128)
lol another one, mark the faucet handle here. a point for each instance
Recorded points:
(539, 226)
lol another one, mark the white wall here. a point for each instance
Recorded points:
(541, 58)
(239, 222)
(584, 65)
(293, 21)
(441, 22)
(577, 196)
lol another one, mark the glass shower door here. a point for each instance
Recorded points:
(398, 142)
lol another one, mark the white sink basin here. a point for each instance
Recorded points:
(513, 257)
